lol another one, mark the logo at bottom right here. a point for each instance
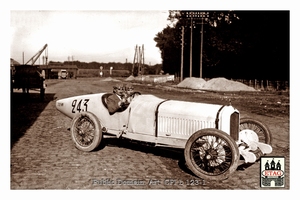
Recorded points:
(272, 171)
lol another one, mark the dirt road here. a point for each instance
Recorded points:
(44, 157)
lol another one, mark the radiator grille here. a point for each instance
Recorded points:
(234, 125)
(181, 126)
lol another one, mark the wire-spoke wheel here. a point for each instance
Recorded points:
(211, 154)
(258, 127)
(86, 131)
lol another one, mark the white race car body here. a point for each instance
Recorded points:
(152, 119)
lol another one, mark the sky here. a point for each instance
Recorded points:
(87, 36)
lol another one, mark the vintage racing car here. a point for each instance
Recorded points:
(214, 138)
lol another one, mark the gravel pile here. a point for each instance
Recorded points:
(130, 78)
(215, 84)
(110, 79)
(192, 83)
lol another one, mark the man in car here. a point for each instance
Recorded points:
(122, 97)
(116, 101)
(129, 93)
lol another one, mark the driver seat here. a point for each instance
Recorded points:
(104, 99)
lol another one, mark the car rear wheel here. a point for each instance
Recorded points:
(261, 130)
(211, 154)
(86, 131)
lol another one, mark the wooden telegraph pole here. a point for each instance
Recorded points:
(191, 48)
(196, 15)
(202, 16)
(182, 49)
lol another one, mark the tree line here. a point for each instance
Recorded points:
(148, 69)
(236, 44)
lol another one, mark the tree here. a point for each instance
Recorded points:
(265, 36)
(169, 41)
(170, 49)
(237, 44)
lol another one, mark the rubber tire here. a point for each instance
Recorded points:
(211, 132)
(267, 134)
(97, 131)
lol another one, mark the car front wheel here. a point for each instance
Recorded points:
(86, 131)
(211, 154)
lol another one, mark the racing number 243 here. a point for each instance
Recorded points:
(81, 106)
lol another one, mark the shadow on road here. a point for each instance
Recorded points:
(166, 152)
(25, 109)
(175, 154)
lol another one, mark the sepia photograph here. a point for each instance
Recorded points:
(154, 99)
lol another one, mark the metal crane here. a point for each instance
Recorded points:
(37, 55)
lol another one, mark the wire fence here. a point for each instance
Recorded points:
(263, 85)
(266, 85)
